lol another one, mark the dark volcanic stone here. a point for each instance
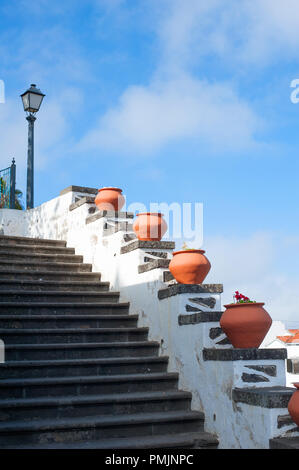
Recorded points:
(208, 302)
(149, 245)
(213, 354)
(269, 370)
(200, 317)
(176, 289)
(254, 378)
(266, 397)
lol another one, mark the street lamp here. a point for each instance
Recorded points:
(32, 99)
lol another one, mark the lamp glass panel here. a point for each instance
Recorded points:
(25, 99)
(35, 101)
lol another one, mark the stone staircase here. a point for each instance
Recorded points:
(78, 372)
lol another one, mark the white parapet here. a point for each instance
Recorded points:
(241, 392)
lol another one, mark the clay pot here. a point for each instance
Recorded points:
(109, 199)
(245, 324)
(293, 405)
(189, 266)
(150, 226)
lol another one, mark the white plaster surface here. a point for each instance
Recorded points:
(211, 382)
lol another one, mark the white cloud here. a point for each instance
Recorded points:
(12, 140)
(239, 31)
(258, 266)
(147, 118)
(273, 30)
(177, 104)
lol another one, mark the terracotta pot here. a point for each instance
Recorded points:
(293, 405)
(245, 324)
(189, 266)
(109, 199)
(150, 226)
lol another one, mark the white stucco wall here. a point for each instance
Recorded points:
(211, 382)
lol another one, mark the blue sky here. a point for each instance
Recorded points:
(171, 100)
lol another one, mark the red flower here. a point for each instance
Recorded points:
(240, 297)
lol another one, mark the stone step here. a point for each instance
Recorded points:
(78, 370)
(35, 249)
(46, 275)
(198, 440)
(98, 427)
(31, 265)
(83, 367)
(91, 405)
(40, 258)
(58, 296)
(11, 240)
(27, 284)
(63, 308)
(24, 352)
(83, 321)
(72, 335)
(86, 385)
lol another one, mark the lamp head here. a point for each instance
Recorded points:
(32, 99)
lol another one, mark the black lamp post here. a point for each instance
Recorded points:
(32, 99)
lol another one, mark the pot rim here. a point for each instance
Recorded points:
(150, 213)
(109, 188)
(192, 250)
(244, 304)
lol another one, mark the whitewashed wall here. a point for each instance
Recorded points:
(211, 382)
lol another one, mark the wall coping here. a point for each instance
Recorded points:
(234, 354)
(266, 397)
(78, 189)
(284, 443)
(199, 317)
(176, 289)
(149, 245)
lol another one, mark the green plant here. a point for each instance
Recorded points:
(185, 247)
(18, 200)
(4, 199)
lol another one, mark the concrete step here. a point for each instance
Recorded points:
(91, 405)
(46, 275)
(63, 308)
(72, 335)
(11, 240)
(52, 285)
(83, 321)
(98, 427)
(31, 265)
(86, 385)
(35, 249)
(24, 352)
(83, 367)
(58, 296)
(198, 440)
